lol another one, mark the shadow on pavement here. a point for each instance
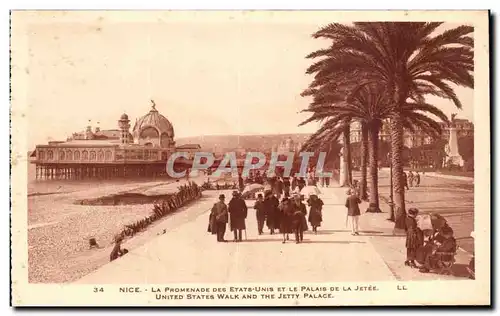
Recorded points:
(332, 242)
(328, 231)
(443, 209)
(381, 235)
(260, 240)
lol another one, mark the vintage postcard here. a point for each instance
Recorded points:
(250, 158)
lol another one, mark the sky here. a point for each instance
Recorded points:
(216, 76)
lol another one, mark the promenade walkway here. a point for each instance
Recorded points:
(188, 254)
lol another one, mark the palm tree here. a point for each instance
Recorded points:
(365, 106)
(364, 161)
(403, 57)
(369, 106)
(346, 153)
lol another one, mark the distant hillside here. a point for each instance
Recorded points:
(233, 142)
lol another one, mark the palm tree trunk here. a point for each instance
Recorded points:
(346, 135)
(364, 161)
(397, 167)
(373, 132)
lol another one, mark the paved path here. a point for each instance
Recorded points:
(454, 199)
(188, 254)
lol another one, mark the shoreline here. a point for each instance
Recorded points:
(59, 230)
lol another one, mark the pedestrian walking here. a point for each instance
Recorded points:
(311, 180)
(260, 213)
(414, 238)
(278, 188)
(241, 183)
(286, 187)
(271, 204)
(417, 179)
(219, 218)
(237, 214)
(353, 212)
(410, 178)
(315, 212)
(286, 209)
(299, 222)
(301, 183)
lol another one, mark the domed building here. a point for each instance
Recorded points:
(112, 153)
(154, 130)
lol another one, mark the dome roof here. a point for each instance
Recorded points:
(124, 117)
(156, 120)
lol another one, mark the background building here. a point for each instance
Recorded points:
(111, 153)
(417, 138)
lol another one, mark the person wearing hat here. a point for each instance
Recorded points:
(299, 222)
(315, 214)
(352, 204)
(117, 250)
(443, 250)
(260, 213)
(271, 204)
(286, 209)
(286, 187)
(219, 217)
(414, 238)
(237, 214)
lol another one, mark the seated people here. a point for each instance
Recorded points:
(442, 248)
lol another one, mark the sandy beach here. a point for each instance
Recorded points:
(59, 230)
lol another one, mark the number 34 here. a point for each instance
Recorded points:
(98, 289)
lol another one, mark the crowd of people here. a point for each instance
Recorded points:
(288, 216)
(284, 184)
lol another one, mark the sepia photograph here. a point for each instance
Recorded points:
(250, 158)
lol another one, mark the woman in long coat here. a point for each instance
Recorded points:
(287, 210)
(315, 215)
(271, 205)
(237, 209)
(414, 238)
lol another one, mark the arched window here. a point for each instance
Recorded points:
(149, 132)
(85, 155)
(41, 155)
(100, 155)
(50, 154)
(69, 155)
(77, 155)
(108, 154)
(62, 155)
(92, 155)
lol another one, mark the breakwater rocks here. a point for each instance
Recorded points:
(162, 207)
(124, 199)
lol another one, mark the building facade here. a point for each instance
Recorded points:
(109, 153)
(417, 138)
(287, 146)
